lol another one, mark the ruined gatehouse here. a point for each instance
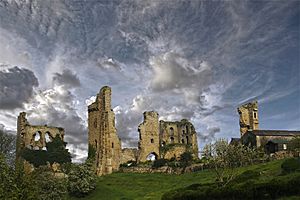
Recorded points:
(157, 139)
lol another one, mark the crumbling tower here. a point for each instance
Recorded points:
(149, 136)
(103, 138)
(248, 117)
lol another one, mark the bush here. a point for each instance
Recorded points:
(159, 163)
(291, 165)
(275, 188)
(81, 180)
(50, 187)
(56, 153)
(186, 158)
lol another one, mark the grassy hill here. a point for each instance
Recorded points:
(127, 186)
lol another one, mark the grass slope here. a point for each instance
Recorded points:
(127, 186)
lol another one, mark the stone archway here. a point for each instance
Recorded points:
(152, 156)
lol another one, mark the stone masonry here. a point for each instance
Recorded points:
(102, 134)
(149, 136)
(154, 134)
(34, 136)
(248, 117)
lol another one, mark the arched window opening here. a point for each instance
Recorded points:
(182, 141)
(187, 139)
(112, 145)
(171, 131)
(37, 136)
(152, 140)
(187, 129)
(255, 116)
(152, 156)
(48, 137)
(183, 132)
(172, 140)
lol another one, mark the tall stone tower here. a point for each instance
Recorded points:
(102, 133)
(248, 117)
(149, 136)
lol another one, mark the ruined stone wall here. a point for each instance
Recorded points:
(149, 136)
(129, 154)
(34, 136)
(176, 151)
(182, 132)
(102, 133)
(248, 117)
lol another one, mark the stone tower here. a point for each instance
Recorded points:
(102, 133)
(248, 117)
(149, 136)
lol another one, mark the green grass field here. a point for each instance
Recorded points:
(127, 186)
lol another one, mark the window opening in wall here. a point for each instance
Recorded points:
(183, 132)
(96, 143)
(187, 139)
(48, 138)
(112, 145)
(163, 143)
(187, 129)
(37, 136)
(172, 139)
(152, 140)
(182, 141)
(171, 131)
(284, 146)
(255, 115)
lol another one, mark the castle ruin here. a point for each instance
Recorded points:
(154, 137)
(34, 136)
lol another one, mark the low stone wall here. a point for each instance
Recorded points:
(164, 169)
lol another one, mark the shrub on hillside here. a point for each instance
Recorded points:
(81, 180)
(159, 163)
(275, 188)
(186, 159)
(291, 165)
(50, 187)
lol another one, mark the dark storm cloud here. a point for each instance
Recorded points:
(186, 59)
(67, 78)
(16, 87)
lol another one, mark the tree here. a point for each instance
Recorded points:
(225, 158)
(8, 146)
(186, 158)
(56, 153)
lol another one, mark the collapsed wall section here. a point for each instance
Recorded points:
(34, 136)
(179, 132)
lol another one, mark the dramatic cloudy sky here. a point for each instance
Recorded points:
(185, 59)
